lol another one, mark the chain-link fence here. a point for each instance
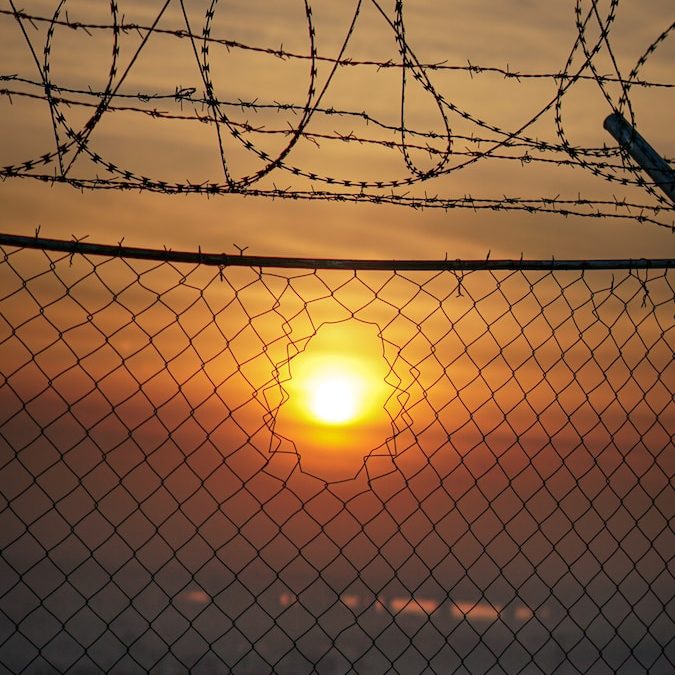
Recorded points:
(499, 500)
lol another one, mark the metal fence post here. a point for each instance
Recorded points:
(637, 147)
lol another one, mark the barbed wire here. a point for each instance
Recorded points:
(283, 54)
(317, 123)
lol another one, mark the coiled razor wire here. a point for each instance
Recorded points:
(286, 148)
(509, 509)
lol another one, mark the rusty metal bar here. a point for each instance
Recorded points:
(236, 260)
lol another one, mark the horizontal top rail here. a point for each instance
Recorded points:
(241, 260)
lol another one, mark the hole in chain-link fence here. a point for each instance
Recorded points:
(506, 507)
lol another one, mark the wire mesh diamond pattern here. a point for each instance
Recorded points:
(506, 506)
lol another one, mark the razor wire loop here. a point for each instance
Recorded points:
(523, 524)
(624, 100)
(373, 190)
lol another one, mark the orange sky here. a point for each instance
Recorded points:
(430, 367)
(523, 36)
(511, 440)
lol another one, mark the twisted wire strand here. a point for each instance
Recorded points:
(486, 140)
(160, 512)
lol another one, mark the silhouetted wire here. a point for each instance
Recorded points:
(580, 67)
(159, 513)
(240, 259)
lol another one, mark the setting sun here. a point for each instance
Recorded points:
(334, 407)
(337, 383)
(335, 398)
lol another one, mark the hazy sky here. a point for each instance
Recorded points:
(514, 35)
(508, 430)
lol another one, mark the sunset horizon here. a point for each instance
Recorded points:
(337, 338)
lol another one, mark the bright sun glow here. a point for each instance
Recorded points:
(334, 398)
(336, 391)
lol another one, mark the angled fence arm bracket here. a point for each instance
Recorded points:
(637, 147)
